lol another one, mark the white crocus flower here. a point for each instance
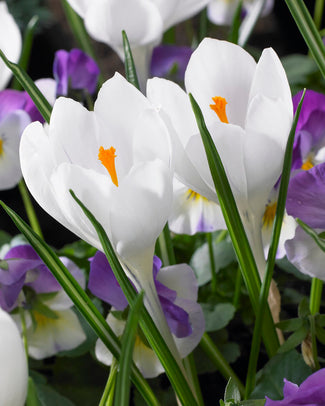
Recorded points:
(143, 20)
(221, 12)
(117, 161)
(10, 42)
(248, 111)
(13, 364)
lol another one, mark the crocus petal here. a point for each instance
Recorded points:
(10, 42)
(48, 88)
(312, 101)
(306, 193)
(60, 71)
(210, 73)
(13, 365)
(305, 254)
(54, 335)
(221, 12)
(103, 284)
(182, 10)
(11, 128)
(192, 213)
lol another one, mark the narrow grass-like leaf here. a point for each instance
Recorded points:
(313, 234)
(130, 71)
(234, 29)
(236, 229)
(32, 398)
(122, 391)
(285, 177)
(80, 300)
(26, 50)
(157, 343)
(24, 79)
(309, 31)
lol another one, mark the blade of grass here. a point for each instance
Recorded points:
(80, 300)
(235, 25)
(250, 21)
(26, 82)
(157, 343)
(280, 209)
(309, 31)
(236, 230)
(122, 392)
(130, 71)
(27, 46)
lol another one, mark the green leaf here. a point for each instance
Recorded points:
(298, 68)
(320, 320)
(236, 21)
(303, 309)
(26, 82)
(79, 298)
(217, 316)
(223, 253)
(130, 71)
(32, 398)
(290, 366)
(309, 31)
(295, 339)
(252, 402)
(232, 392)
(47, 396)
(290, 325)
(236, 230)
(122, 391)
(313, 234)
(320, 334)
(27, 47)
(157, 343)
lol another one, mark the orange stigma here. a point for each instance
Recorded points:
(220, 108)
(107, 158)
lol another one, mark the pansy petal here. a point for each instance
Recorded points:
(11, 100)
(306, 194)
(54, 335)
(303, 252)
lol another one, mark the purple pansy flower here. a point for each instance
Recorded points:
(74, 70)
(170, 60)
(21, 267)
(103, 284)
(310, 393)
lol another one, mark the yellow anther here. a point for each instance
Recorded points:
(219, 107)
(107, 158)
(269, 215)
(308, 164)
(1, 146)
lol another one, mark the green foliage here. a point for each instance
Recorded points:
(217, 316)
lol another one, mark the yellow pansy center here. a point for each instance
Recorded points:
(308, 164)
(269, 215)
(219, 107)
(107, 158)
(194, 196)
(41, 319)
(1, 146)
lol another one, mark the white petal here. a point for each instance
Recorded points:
(54, 335)
(305, 254)
(139, 210)
(80, 6)
(183, 10)
(48, 87)
(11, 129)
(221, 12)
(270, 80)
(213, 71)
(193, 213)
(10, 42)
(13, 365)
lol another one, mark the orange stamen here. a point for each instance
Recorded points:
(308, 164)
(220, 108)
(107, 158)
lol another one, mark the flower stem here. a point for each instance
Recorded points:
(108, 394)
(24, 330)
(318, 13)
(33, 221)
(219, 361)
(212, 264)
(190, 368)
(237, 288)
(166, 247)
(315, 295)
(313, 342)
